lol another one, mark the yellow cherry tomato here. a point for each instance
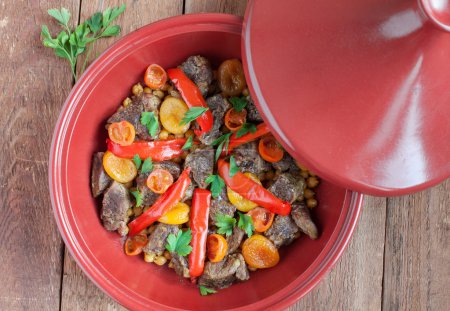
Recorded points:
(119, 169)
(177, 215)
(171, 113)
(241, 203)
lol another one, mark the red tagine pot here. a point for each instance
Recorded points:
(80, 132)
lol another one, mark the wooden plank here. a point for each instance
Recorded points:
(34, 84)
(78, 292)
(236, 7)
(355, 283)
(417, 269)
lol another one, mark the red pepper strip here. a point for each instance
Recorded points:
(158, 150)
(201, 201)
(261, 129)
(193, 98)
(172, 196)
(252, 191)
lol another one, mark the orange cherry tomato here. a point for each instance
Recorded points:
(122, 133)
(259, 252)
(269, 149)
(155, 76)
(216, 247)
(235, 119)
(159, 180)
(262, 218)
(133, 245)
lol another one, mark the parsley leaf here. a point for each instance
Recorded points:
(147, 166)
(188, 144)
(225, 224)
(137, 195)
(180, 243)
(206, 291)
(137, 161)
(149, 120)
(238, 103)
(217, 184)
(233, 167)
(192, 114)
(223, 140)
(246, 223)
(246, 128)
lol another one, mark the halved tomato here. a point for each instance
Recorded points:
(133, 245)
(216, 247)
(262, 219)
(234, 120)
(269, 149)
(155, 76)
(159, 180)
(122, 133)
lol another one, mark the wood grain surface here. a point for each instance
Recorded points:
(398, 258)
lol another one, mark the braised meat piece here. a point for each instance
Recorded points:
(287, 163)
(180, 264)
(252, 113)
(198, 69)
(235, 239)
(300, 214)
(170, 166)
(287, 187)
(132, 113)
(189, 192)
(157, 239)
(283, 231)
(248, 159)
(222, 274)
(201, 162)
(99, 179)
(218, 106)
(115, 205)
(221, 205)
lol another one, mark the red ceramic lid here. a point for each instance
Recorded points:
(356, 90)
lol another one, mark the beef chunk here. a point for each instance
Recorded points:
(198, 69)
(99, 179)
(114, 213)
(180, 264)
(170, 166)
(189, 192)
(148, 196)
(287, 187)
(218, 106)
(287, 163)
(157, 239)
(300, 214)
(221, 205)
(248, 159)
(201, 162)
(235, 240)
(252, 113)
(132, 113)
(283, 231)
(222, 274)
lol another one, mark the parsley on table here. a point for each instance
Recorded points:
(137, 195)
(180, 243)
(147, 166)
(233, 167)
(188, 144)
(149, 120)
(137, 161)
(192, 114)
(217, 184)
(246, 128)
(69, 44)
(246, 223)
(238, 103)
(223, 142)
(206, 291)
(225, 224)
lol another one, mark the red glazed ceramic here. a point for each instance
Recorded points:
(80, 132)
(357, 90)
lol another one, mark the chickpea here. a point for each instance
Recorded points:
(163, 135)
(311, 203)
(129, 184)
(130, 212)
(189, 133)
(160, 260)
(149, 257)
(312, 182)
(179, 135)
(150, 229)
(137, 211)
(252, 269)
(137, 89)
(159, 94)
(165, 87)
(126, 102)
(146, 208)
(170, 136)
(245, 92)
(309, 194)
(177, 160)
(167, 255)
(184, 155)
(270, 175)
(171, 265)
(148, 90)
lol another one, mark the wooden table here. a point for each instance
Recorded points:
(398, 259)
